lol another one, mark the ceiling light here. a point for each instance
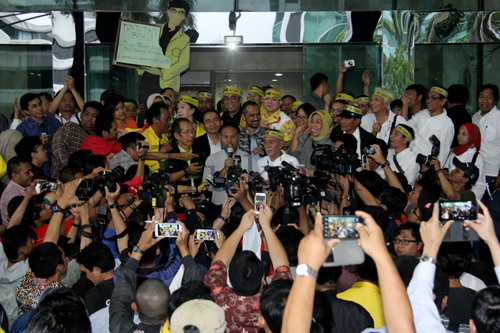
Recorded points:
(274, 80)
(278, 74)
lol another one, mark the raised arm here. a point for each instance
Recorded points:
(17, 217)
(445, 183)
(276, 249)
(391, 177)
(339, 85)
(120, 225)
(366, 82)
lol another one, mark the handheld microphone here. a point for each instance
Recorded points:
(230, 151)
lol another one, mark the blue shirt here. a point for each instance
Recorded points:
(50, 125)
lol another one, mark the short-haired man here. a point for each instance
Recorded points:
(287, 104)
(30, 149)
(381, 121)
(350, 119)
(485, 316)
(172, 95)
(273, 143)
(400, 157)
(210, 141)
(319, 89)
(20, 176)
(104, 141)
(205, 101)
(65, 102)
(458, 95)
(363, 103)
(97, 262)
(132, 151)
(252, 136)
(255, 94)
(459, 183)
(273, 118)
(432, 121)
(413, 100)
(222, 161)
(69, 138)
(37, 124)
(232, 102)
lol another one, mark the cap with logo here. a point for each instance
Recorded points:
(470, 170)
(351, 112)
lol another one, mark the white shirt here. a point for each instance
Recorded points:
(480, 185)
(63, 121)
(264, 161)
(407, 161)
(385, 132)
(15, 123)
(216, 162)
(489, 124)
(214, 148)
(425, 126)
(358, 138)
(472, 282)
(425, 313)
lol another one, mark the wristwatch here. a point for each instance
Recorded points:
(387, 163)
(306, 270)
(138, 250)
(57, 209)
(142, 158)
(427, 258)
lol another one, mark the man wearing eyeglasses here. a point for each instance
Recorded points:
(232, 101)
(432, 121)
(274, 118)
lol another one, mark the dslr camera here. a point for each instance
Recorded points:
(325, 157)
(154, 188)
(436, 147)
(105, 178)
(233, 173)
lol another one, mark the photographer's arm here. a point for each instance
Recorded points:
(227, 250)
(241, 196)
(365, 195)
(128, 210)
(276, 249)
(84, 216)
(303, 220)
(391, 177)
(119, 223)
(445, 183)
(17, 217)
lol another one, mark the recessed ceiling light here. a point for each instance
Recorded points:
(278, 74)
(274, 80)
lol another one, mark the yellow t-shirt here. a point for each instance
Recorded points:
(368, 296)
(3, 167)
(155, 144)
(279, 121)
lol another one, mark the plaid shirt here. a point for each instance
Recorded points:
(65, 142)
(246, 139)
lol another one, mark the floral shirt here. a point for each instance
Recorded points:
(242, 312)
(30, 288)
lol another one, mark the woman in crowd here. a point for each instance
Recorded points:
(320, 127)
(304, 111)
(188, 108)
(115, 106)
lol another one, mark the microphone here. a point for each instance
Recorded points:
(266, 168)
(288, 166)
(230, 151)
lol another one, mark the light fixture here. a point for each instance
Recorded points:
(232, 46)
(274, 80)
(278, 74)
(233, 41)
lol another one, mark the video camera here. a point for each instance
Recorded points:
(325, 157)
(109, 179)
(299, 189)
(232, 176)
(155, 188)
(436, 147)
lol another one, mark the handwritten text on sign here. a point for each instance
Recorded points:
(138, 45)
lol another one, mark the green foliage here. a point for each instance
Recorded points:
(398, 71)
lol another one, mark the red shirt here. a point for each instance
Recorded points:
(100, 146)
(42, 230)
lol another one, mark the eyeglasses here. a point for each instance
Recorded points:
(188, 132)
(432, 98)
(274, 99)
(253, 96)
(180, 12)
(232, 98)
(336, 110)
(405, 242)
(302, 117)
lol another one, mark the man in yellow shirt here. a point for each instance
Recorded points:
(273, 118)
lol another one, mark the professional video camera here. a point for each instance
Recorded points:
(110, 179)
(436, 147)
(325, 157)
(155, 188)
(299, 189)
(232, 176)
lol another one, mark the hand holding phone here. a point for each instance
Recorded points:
(167, 230)
(260, 199)
(206, 234)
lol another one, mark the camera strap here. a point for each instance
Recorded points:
(393, 125)
(396, 163)
(122, 234)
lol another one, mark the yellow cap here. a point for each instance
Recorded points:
(257, 90)
(204, 94)
(345, 97)
(275, 133)
(232, 90)
(440, 90)
(363, 100)
(273, 93)
(190, 100)
(297, 104)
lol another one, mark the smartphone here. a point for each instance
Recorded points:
(364, 162)
(45, 185)
(341, 227)
(457, 210)
(206, 234)
(260, 199)
(349, 63)
(171, 230)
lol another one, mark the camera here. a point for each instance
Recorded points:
(368, 151)
(84, 190)
(154, 188)
(325, 157)
(110, 179)
(436, 147)
(232, 176)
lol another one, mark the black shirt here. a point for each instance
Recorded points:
(227, 119)
(460, 304)
(348, 316)
(459, 116)
(99, 296)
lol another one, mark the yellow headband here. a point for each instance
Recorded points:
(204, 94)
(345, 97)
(405, 132)
(167, 97)
(257, 90)
(296, 105)
(280, 136)
(353, 109)
(130, 104)
(363, 99)
(440, 90)
(383, 94)
(272, 93)
(232, 90)
(190, 100)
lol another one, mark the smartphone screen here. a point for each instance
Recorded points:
(170, 230)
(206, 234)
(339, 226)
(457, 210)
(260, 199)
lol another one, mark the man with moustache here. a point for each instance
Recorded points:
(252, 137)
(205, 101)
(273, 143)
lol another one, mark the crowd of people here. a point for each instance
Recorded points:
(88, 185)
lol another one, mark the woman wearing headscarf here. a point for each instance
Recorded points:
(320, 127)
(469, 145)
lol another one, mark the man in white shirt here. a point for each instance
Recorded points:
(488, 121)
(381, 121)
(273, 143)
(402, 159)
(432, 121)
(224, 159)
